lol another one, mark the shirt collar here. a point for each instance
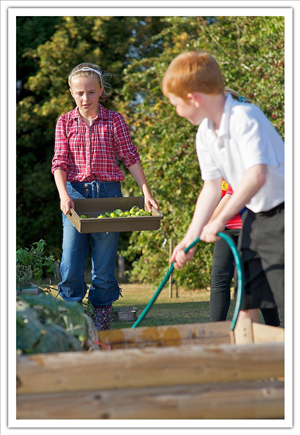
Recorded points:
(103, 112)
(224, 124)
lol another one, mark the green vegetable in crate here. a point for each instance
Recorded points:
(135, 211)
(83, 216)
(118, 211)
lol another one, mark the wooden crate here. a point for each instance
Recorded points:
(93, 207)
(195, 371)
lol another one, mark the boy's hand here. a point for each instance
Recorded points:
(210, 230)
(179, 256)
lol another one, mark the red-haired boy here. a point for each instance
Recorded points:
(237, 142)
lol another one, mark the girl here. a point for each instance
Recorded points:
(87, 140)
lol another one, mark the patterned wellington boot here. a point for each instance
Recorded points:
(102, 317)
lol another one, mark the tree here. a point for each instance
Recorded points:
(250, 51)
(110, 42)
(137, 51)
(27, 40)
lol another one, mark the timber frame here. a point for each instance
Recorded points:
(194, 371)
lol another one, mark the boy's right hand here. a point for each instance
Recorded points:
(66, 203)
(179, 256)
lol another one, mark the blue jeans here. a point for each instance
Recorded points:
(104, 288)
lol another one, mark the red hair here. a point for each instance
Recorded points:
(193, 71)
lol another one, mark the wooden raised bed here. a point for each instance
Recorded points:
(195, 371)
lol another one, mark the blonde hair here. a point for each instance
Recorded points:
(91, 70)
(193, 71)
(237, 96)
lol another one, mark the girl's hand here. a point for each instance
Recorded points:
(139, 176)
(179, 256)
(150, 201)
(66, 202)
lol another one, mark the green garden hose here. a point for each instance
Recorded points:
(240, 279)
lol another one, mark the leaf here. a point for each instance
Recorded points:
(43, 324)
(28, 329)
(56, 340)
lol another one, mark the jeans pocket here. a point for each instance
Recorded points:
(77, 190)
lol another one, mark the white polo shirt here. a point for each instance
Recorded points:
(245, 138)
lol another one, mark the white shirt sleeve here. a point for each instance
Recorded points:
(208, 165)
(256, 140)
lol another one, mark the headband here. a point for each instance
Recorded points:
(84, 69)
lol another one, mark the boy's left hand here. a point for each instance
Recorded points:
(210, 230)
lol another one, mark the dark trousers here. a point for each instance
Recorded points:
(261, 248)
(221, 277)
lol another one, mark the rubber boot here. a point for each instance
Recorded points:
(102, 317)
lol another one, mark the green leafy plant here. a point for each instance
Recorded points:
(47, 324)
(32, 263)
(250, 51)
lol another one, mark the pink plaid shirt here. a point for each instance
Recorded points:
(88, 153)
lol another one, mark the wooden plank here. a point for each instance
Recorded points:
(175, 335)
(240, 400)
(149, 367)
(243, 331)
(266, 334)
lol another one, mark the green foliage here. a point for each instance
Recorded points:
(46, 324)
(32, 263)
(250, 51)
(44, 27)
(137, 51)
(110, 42)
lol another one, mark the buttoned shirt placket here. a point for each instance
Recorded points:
(88, 143)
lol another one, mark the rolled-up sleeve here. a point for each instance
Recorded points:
(126, 150)
(61, 149)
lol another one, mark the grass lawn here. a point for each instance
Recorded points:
(188, 307)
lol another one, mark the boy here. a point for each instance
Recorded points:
(235, 141)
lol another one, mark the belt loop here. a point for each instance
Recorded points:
(94, 189)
